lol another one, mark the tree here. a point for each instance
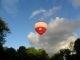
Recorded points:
(21, 53)
(32, 53)
(10, 54)
(77, 46)
(3, 30)
(42, 55)
(1, 52)
(57, 56)
(77, 50)
(63, 54)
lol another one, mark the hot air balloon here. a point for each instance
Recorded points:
(40, 27)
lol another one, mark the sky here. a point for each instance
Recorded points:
(21, 16)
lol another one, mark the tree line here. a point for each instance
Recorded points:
(23, 53)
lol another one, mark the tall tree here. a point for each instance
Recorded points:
(77, 49)
(3, 30)
(77, 46)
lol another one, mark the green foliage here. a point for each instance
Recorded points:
(42, 55)
(32, 51)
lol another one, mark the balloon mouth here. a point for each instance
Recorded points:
(40, 30)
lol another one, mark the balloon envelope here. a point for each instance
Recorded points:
(40, 27)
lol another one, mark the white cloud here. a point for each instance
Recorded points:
(60, 34)
(37, 12)
(10, 6)
(68, 43)
(51, 11)
(46, 13)
(34, 38)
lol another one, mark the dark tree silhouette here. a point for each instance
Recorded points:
(10, 54)
(57, 56)
(63, 54)
(77, 50)
(2, 55)
(77, 46)
(3, 30)
(21, 53)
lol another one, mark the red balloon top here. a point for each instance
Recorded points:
(40, 27)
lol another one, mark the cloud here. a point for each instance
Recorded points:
(51, 11)
(37, 12)
(34, 38)
(10, 6)
(76, 3)
(46, 13)
(60, 34)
